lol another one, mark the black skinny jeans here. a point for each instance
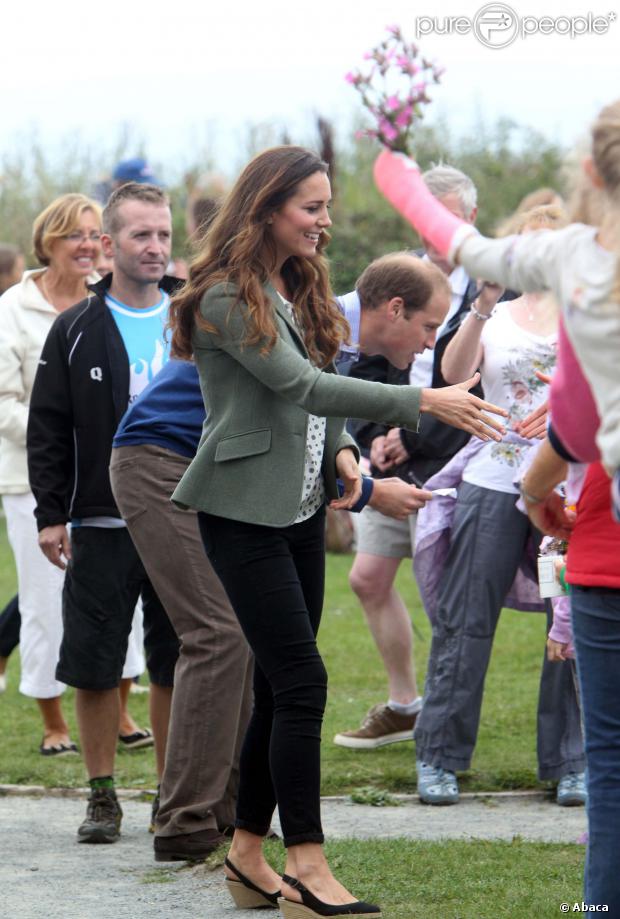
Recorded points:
(275, 579)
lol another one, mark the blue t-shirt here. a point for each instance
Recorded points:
(169, 412)
(142, 331)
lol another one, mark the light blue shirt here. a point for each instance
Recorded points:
(349, 304)
(142, 331)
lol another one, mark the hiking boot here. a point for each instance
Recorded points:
(572, 790)
(381, 726)
(436, 785)
(103, 817)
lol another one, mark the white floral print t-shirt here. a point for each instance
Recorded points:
(511, 358)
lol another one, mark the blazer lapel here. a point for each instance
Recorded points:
(283, 313)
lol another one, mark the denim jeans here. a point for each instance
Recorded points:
(274, 578)
(596, 626)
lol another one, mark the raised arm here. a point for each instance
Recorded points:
(464, 353)
(524, 263)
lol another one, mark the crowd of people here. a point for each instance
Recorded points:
(169, 447)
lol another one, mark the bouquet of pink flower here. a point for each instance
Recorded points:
(394, 89)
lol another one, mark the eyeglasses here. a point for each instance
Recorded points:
(82, 237)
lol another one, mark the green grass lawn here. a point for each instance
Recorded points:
(505, 754)
(458, 880)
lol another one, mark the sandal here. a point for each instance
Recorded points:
(246, 894)
(313, 908)
(60, 749)
(137, 740)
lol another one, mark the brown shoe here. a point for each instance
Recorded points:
(187, 847)
(381, 726)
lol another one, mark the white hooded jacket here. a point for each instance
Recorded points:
(25, 320)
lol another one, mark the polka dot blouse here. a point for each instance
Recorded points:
(313, 491)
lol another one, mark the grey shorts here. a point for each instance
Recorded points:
(381, 535)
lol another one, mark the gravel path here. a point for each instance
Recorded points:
(45, 874)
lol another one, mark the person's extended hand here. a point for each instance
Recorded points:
(396, 498)
(551, 516)
(534, 424)
(394, 449)
(54, 542)
(377, 454)
(556, 651)
(455, 405)
(350, 475)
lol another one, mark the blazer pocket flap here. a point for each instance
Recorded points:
(240, 445)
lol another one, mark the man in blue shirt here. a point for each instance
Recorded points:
(97, 357)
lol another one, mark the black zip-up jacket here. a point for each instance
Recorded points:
(80, 393)
(435, 442)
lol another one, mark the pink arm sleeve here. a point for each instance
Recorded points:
(398, 178)
(573, 412)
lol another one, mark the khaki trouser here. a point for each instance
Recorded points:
(213, 678)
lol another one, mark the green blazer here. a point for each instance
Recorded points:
(250, 460)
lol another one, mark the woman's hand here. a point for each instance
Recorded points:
(350, 475)
(455, 405)
(535, 424)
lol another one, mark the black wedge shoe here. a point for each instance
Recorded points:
(313, 908)
(246, 894)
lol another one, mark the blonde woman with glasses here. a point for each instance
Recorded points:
(66, 244)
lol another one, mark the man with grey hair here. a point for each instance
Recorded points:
(382, 543)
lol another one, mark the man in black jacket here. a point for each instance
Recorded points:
(98, 356)
(414, 457)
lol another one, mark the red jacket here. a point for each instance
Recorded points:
(594, 549)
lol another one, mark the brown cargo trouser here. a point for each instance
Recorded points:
(211, 701)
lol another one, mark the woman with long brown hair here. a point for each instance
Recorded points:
(259, 318)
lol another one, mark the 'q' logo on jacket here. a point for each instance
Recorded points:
(96, 374)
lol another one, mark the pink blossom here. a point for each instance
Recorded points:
(404, 117)
(387, 129)
(387, 90)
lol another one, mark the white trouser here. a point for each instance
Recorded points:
(39, 584)
(134, 662)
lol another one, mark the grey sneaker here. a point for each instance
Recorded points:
(381, 726)
(436, 785)
(103, 817)
(572, 790)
